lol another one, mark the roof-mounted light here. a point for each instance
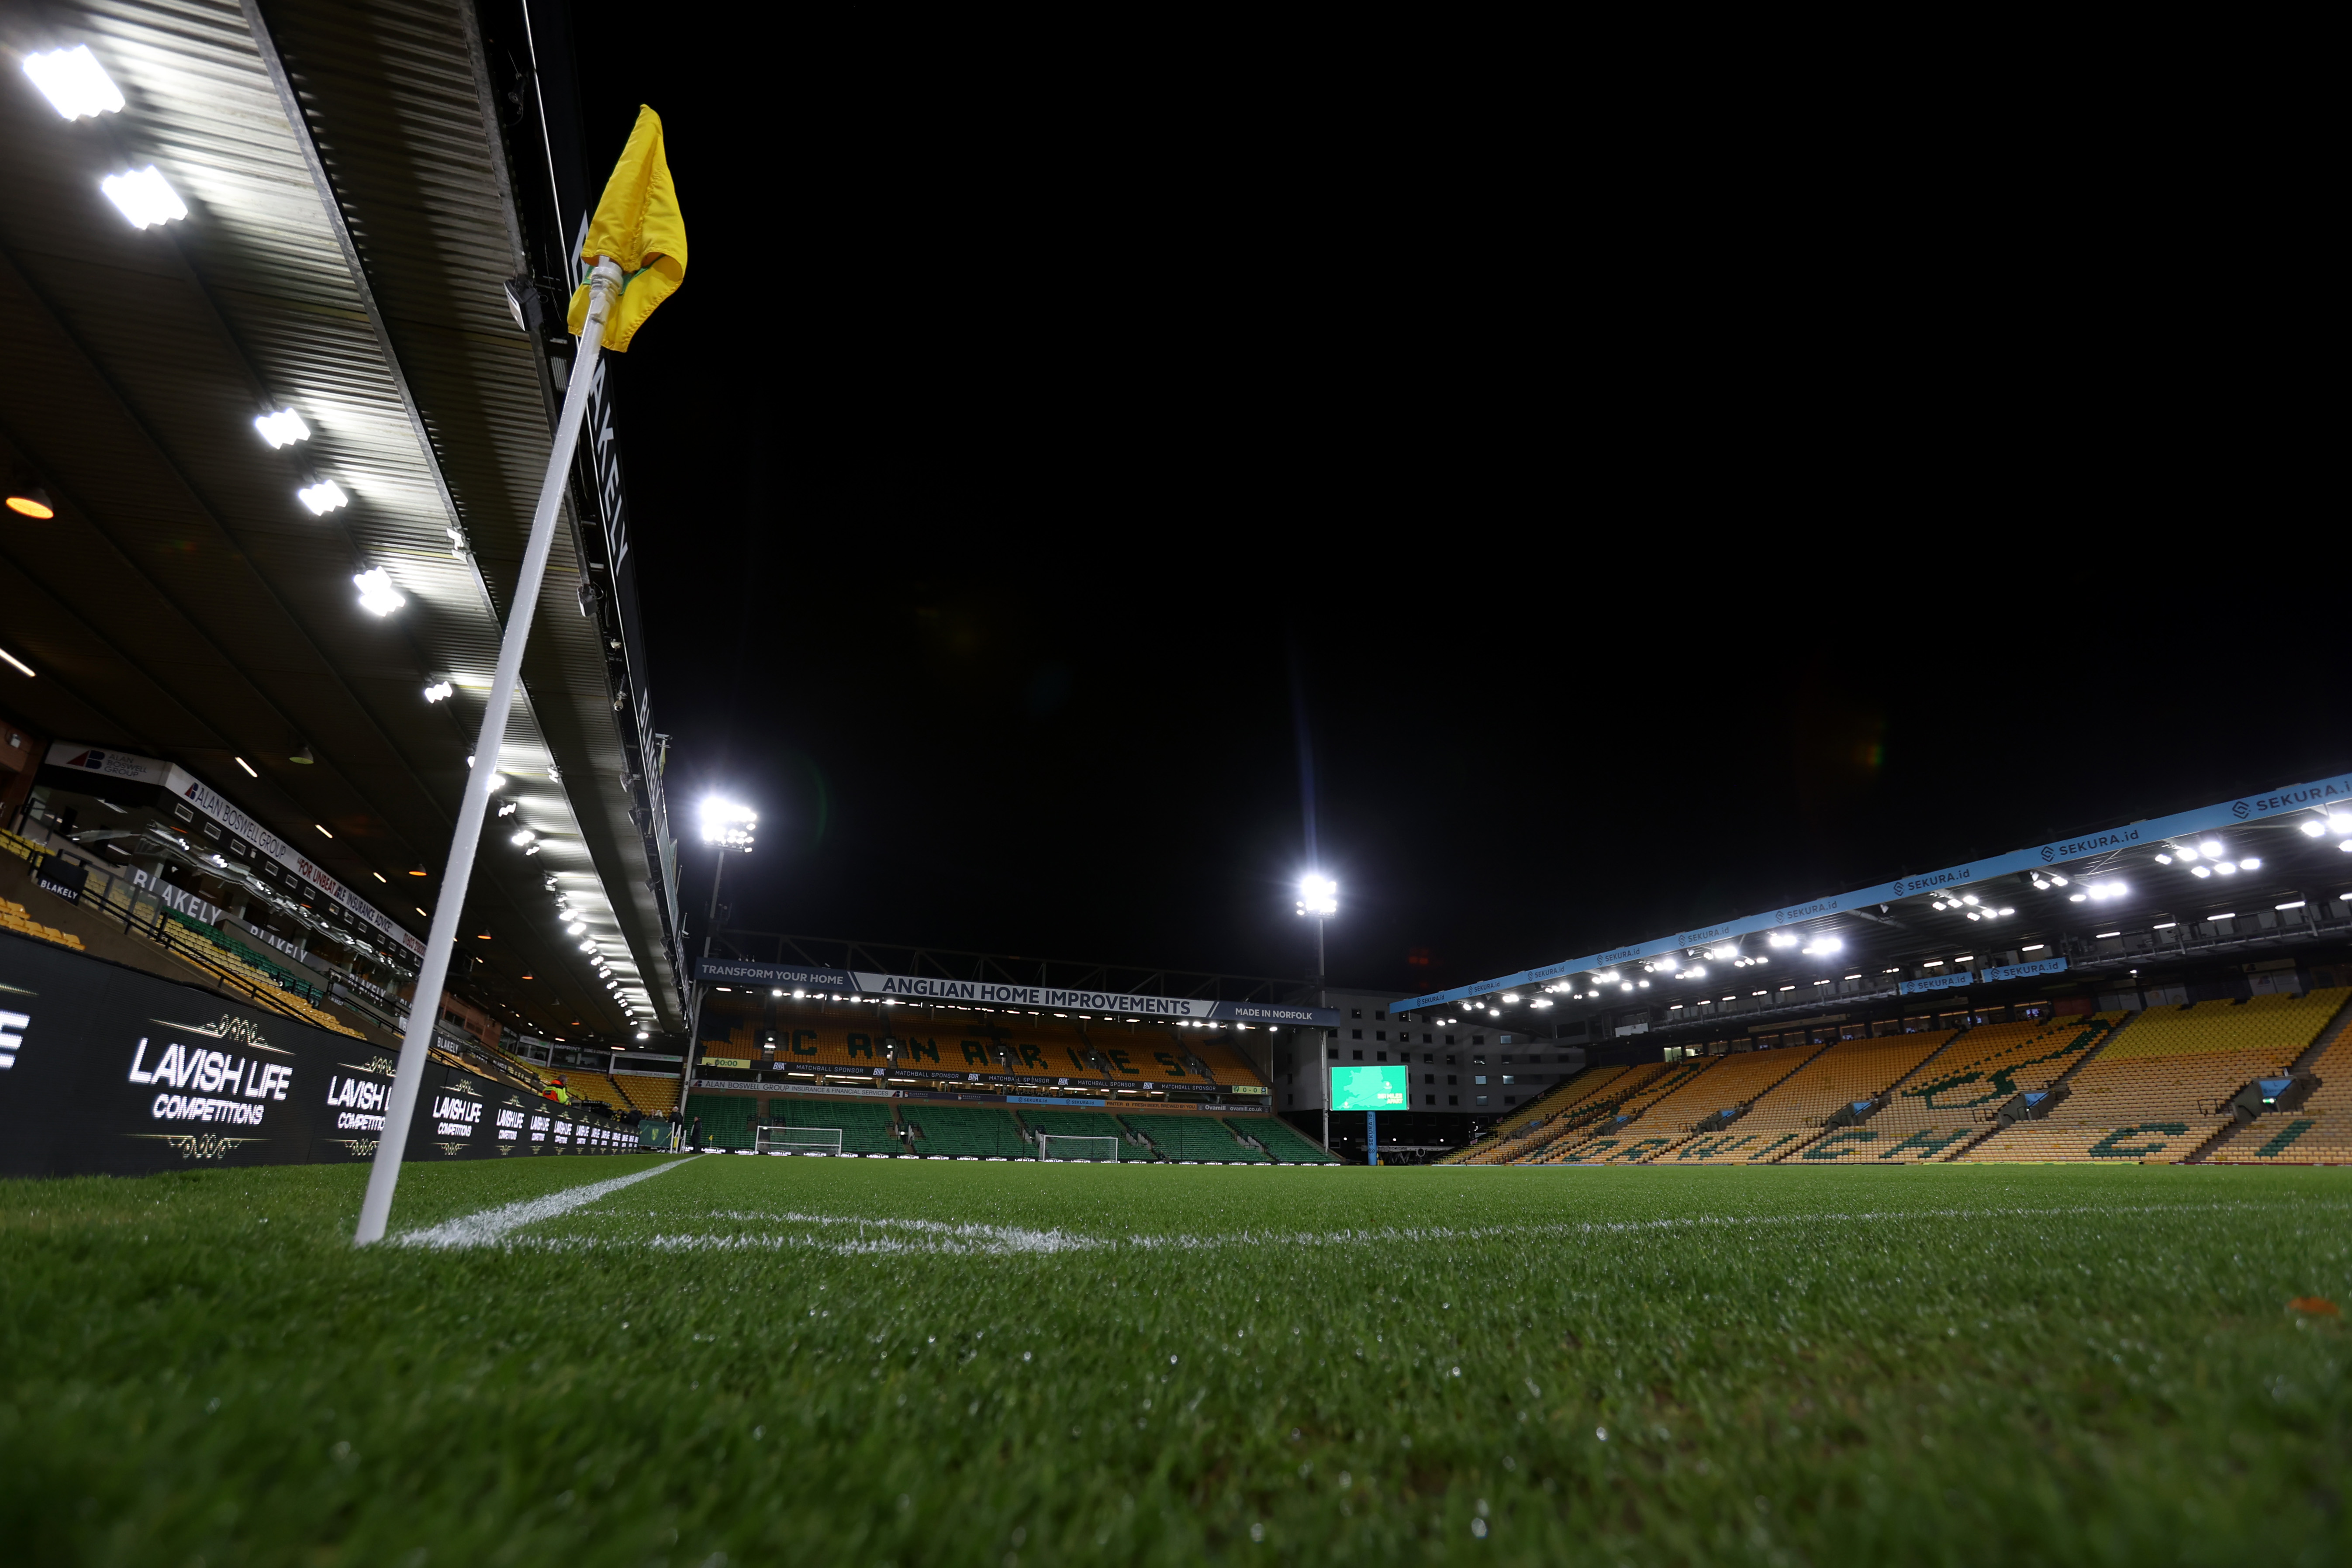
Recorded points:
(377, 595)
(282, 428)
(144, 197)
(74, 82)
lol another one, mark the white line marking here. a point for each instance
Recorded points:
(490, 1226)
(873, 1236)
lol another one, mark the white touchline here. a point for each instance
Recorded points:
(949, 1238)
(491, 1226)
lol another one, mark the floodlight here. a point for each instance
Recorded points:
(2211, 847)
(1783, 939)
(2251, 863)
(1967, 897)
(74, 82)
(1318, 895)
(1972, 915)
(322, 498)
(439, 691)
(282, 428)
(2161, 860)
(32, 501)
(377, 595)
(2225, 870)
(2199, 871)
(1937, 905)
(2316, 828)
(2290, 904)
(523, 837)
(1698, 972)
(728, 825)
(1628, 990)
(144, 197)
(577, 928)
(2006, 912)
(2060, 881)
(1511, 997)
(2074, 898)
(2338, 823)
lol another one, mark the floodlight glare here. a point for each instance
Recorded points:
(74, 82)
(1511, 996)
(2251, 863)
(2211, 847)
(322, 498)
(377, 595)
(2339, 823)
(144, 197)
(1783, 939)
(2313, 827)
(439, 691)
(282, 428)
(1318, 895)
(2198, 871)
(728, 825)
(2225, 869)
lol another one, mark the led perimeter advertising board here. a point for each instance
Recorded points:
(1369, 1088)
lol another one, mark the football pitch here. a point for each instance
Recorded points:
(733, 1359)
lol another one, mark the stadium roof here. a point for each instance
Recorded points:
(352, 215)
(2212, 867)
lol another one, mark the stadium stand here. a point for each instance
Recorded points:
(728, 1120)
(14, 917)
(1539, 1122)
(1284, 1143)
(865, 1129)
(208, 951)
(1195, 1139)
(1842, 1075)
(1081, 1124)
(656, 1094)
(1735, 1085)
(586, 1087)
(967, 1131)
(2157, 1090)
(1607, 1124)
(1956, 1098)
(2316, 1133)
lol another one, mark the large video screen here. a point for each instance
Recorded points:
(1369, 1088)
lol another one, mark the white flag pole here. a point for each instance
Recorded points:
(424, 1009)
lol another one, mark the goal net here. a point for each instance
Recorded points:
(1067, 1146)
(798, 1140)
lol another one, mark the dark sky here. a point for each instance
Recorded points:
(1646, 538)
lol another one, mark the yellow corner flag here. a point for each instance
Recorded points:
(637, 224)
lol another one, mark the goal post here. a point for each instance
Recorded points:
(1070, 1146)
(797, 1141)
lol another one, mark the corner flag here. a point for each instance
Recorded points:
(636, 247)
(637, 225)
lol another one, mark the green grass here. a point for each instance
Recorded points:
(1087, 1363)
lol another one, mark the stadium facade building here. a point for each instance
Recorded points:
(859, 1047)
(283, 283)
(2162, 990)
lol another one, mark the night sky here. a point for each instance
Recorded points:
(1017, 465)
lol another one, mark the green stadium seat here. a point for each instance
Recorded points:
(970, 1131)
(1195, 1138)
